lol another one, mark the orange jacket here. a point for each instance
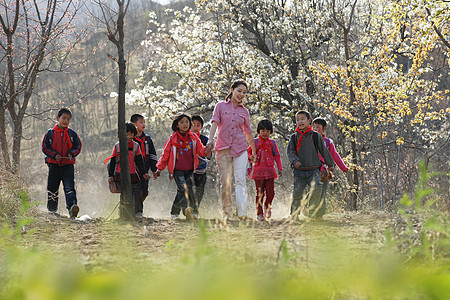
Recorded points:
(168, 157)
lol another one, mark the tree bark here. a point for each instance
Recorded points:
(126, 196)
(352, 204)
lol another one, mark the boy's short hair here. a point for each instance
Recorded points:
(131, 128)
(320, 121)
(265, 124)
(64, 111)
(177, 118)
(134, 118)
(303, 112)
(197, 118)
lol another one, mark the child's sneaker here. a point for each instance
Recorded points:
(188, 212)
(260, 217)
(74, 211)
(175, 217)
(138, 215)
(195, 216)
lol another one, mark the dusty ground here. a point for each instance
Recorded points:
(100, 243)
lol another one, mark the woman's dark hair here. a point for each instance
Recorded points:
(265, 124)
(320, 121)
(235, 85)
(131, 128)
(178, 118)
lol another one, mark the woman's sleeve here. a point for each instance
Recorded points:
(216, 113)
(247, 127)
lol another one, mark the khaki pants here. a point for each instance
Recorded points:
(226, 165)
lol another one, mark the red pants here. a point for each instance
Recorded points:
(264, 187)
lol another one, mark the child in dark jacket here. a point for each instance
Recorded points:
(303, 152)
(180, 155)
(148, 152)
(61, 145)
(136, 165)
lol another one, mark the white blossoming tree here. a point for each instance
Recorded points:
(362, 65)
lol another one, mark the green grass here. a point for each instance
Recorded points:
(413, 264)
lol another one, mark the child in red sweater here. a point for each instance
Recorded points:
(263, 170)
(180, 155)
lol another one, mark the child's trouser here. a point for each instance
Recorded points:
(136, 190)
(56, 174)
(310, 179)
(226, 165)
(185, 193)
(264, 187)
(143, 183)
(199, 185)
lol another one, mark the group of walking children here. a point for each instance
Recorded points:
(186, 153)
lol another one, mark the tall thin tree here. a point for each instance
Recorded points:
(113, 19)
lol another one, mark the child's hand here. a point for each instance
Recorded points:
(110, 179)
(58, 157)
(69, 155)
(209, 147)
(146, 176)
(170, 176)
(297, 164)
(252, 158)
(280, 173)
(156, 174)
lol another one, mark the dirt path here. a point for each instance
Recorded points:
(100, 243)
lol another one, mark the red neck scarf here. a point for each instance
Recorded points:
(142, 143)
(66, 137)
(301, 135)
(182, 141)
(130, 146)
(323, 135)
(262, 144)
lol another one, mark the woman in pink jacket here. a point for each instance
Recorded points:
(180, 156)
(320, 125)
(232, 122)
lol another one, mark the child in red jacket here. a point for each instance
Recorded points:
(263, 170)
(61, 145)
(136, 166)
(180, 155)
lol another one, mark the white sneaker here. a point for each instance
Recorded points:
(175, 217)
(138, 215)
(195, 216)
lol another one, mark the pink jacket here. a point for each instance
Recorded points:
(233, 123)
(168, 157)
(266, 157)
(336, 157)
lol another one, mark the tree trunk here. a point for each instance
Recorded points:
(126, 210)
(352, 205)
(4, 141)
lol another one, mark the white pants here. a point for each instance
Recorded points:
(226, 163)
